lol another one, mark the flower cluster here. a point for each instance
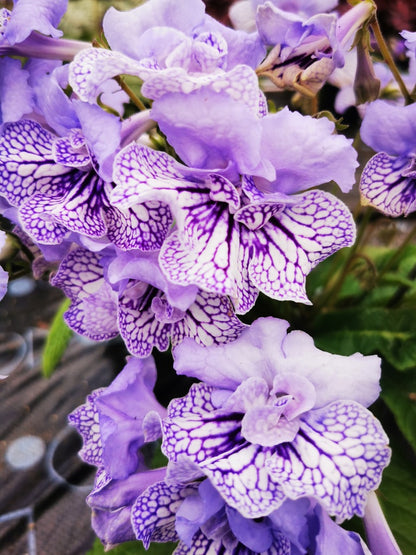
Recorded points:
(272, 440)
(163, 203)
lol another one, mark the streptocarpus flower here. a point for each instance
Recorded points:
(117, 420)
(277, 418)
(388, 181)
(183, 47)
(56, 185)
(205, 524)
(306, 52)
(232, 239)
(128, 294)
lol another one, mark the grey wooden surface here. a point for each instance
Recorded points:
(42, 506)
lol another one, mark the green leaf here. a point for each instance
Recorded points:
(56, 342)
(397, 496)
(399, 394)
(388, 332)
(133, 548)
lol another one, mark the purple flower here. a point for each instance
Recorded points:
(203, 521)
(168, 49)
(117, 420)
(388, 181)
(112, 501)
(276, 418)
(128, 294)
(231, 239)
(306, 51)
(56, 183)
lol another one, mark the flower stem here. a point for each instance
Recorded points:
(389, 60)
(133, 97)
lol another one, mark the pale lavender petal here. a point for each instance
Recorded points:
(306, 153)
(102, 133)
(379, 536)
(122, 408)
(196, 510)
(124, 30)
(333, 376)
(48, 78)
(337, 457)
(15, 93)
(388, 184)
(229, 365)
(111, 505)
(390, 128)
(210, 319)
(215, 129)
(145, 267)
(263, 426)
(243, 48)
(28, 16)
(257, 536)
(295, 241)
(153, 514)
(410, 39)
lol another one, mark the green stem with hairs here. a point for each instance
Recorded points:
(385, 52)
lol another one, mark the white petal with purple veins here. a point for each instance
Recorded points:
(154, 512)
(388, 184)
(39, 221)
(26, 163)
(138, 325)
(94, 308)
(209, 320)
(295, 241)
(337, 457)
(143, 226)
(86, 420)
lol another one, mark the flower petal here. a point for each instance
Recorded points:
(295, 241)
(388, 183)
(154, 512)
(337, 457)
